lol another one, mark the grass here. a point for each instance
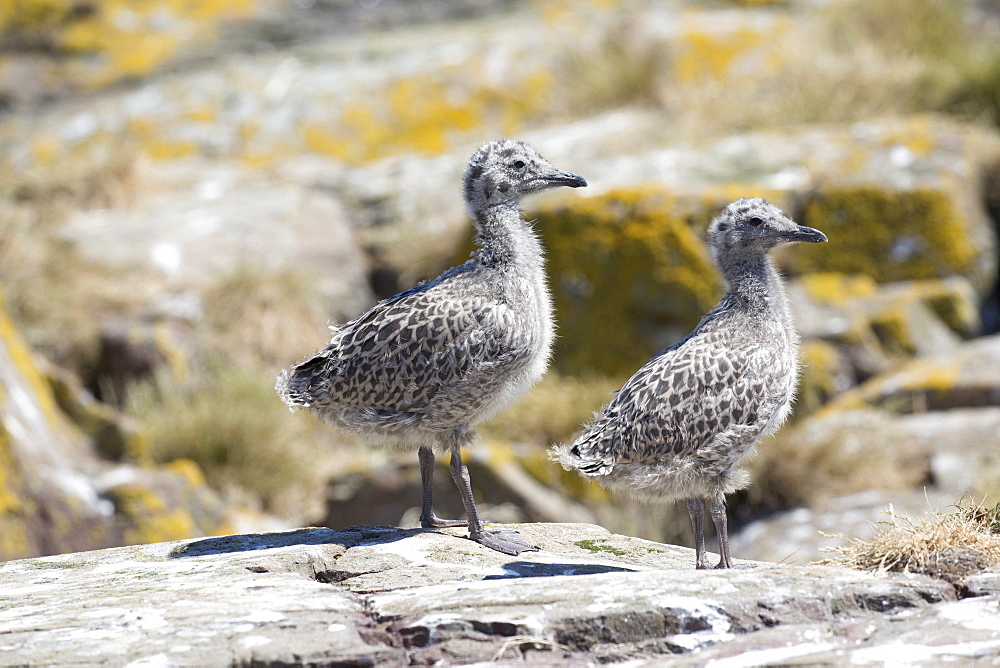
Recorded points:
(950, 545)
(231, 424)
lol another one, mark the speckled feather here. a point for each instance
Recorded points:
(449, 353)
(681, 424)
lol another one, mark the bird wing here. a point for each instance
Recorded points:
(677, 403)
(406, 350)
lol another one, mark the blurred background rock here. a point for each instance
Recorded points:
(191, 189)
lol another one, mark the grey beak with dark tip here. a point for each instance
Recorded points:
(561, 178)
(804, 233)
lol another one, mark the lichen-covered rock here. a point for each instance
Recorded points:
(115, 435)
(631, 275)
(933, 421)
(382, 596)
(896, 235)
(56, 495)
(854, 327)
(967, 376)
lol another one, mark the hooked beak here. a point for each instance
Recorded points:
(561, 178)
(804, 233)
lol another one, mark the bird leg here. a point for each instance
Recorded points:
(696, 509)
(718, 510)
(507, 542)
(428, 520)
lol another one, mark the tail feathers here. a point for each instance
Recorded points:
(293, 389)
(572, 457)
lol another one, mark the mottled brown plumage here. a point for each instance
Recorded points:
(421, 369)
(681, 425)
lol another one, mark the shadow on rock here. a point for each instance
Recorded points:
(527, 569)
(349, 537)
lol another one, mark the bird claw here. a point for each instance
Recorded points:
(506, 541)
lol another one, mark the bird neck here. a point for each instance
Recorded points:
(504, 238)
(753, 284)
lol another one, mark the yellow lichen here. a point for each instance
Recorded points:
(426, 113)
(888, 235)
(837, 289)
(189, 470)
(23, 361)
(147, 517)
(131, 38)
(630, 277)
(709, 56)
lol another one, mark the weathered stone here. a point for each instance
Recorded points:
(953, 631)
(115, 435)
(847, 451)
(56, 495)
(964, 377)
(806, 534)
(873, 327)
(200, 221)
(373, 596)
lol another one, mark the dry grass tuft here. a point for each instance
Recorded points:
(229, 421)
(950, 546)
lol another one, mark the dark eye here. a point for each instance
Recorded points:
(518, 164)
(755, 222)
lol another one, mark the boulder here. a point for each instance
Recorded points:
(853, 327)
(967, 376)
(375, 595)
(201, 221)
(922, 435)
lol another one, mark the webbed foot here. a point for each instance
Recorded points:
(508, 542)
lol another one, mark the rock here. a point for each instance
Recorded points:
(806, 534)
(944, 407)
(200, 221)
(374, 596)
(964, 377)
(961, 631)
(841, 452)
(925, 434)
(888, 323)
(56, 495)
(115, 435)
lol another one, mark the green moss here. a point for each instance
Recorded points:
(630, 276)
(594, 546)
(889, 235)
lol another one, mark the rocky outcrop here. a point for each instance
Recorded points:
(57, 494)
(920, 436)
(382, 596)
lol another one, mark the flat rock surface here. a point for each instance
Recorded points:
(385, 596)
